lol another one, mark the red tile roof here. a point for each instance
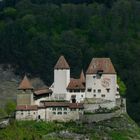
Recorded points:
(26, 107)
(101, 64)
(25, 84)
(62, 63)
(82, 77)
(42, 91)
(75, 84)
(76, 105)
(56, 104)
(64, 104)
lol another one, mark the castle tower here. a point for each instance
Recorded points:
(101, 79)
(25, 95)
(61, 78)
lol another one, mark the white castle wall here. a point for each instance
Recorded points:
(106, 81)
(80, 96)
(93, 107)
(61, 80)
(26, 115)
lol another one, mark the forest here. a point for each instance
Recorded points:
(34, 33)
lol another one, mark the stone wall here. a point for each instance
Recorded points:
(93, 107)
(99, 117)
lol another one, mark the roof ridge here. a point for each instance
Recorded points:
(25, 84)
(101, 63)
(62, 63)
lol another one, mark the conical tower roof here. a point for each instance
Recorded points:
(62, 63)
(82, 77)
(25, 84)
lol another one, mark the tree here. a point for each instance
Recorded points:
(10, 107)
(122, 87)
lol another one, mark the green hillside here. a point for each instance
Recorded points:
(122, 128)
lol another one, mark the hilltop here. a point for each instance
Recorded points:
(121, 128)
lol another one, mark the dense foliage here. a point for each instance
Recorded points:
(34, 33)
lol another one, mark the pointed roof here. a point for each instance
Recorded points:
(25, 84)
(101, 64)
(75, 84)
(62, 63)
(82, 77)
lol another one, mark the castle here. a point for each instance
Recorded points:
(67, 98)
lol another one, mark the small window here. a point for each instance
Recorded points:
(59, 113)
(65, 113)
(94, 77)
(81, 95)
(21, 113)
(89, 89)
(34, 112)
(108, 90)
(28, 112)
(65, 108)
(94, 95)
(54, 113)
(99, 90)
(53, 108)
(59, 108)
(103, 95)
(94, 90)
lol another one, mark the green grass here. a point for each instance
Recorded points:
(122, 128)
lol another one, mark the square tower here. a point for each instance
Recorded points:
(101, 79)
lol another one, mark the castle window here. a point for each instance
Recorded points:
(65, 113)
(65, 108)
(82, 90)
(21, 113)
(99, 90)
(53, 108)
(81, 95)
(28, 112)
(94, 90)
(108, 90)
(103, 95)
(94, 95)
(34, 112)
(89, 89)
(59, 108)
(59, 113)
(54, 113)
(94, 77)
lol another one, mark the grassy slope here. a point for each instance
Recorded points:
(122, 128)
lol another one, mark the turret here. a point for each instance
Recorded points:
(82, 77)
(25, 95)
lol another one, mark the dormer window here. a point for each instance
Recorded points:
(100, 72)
